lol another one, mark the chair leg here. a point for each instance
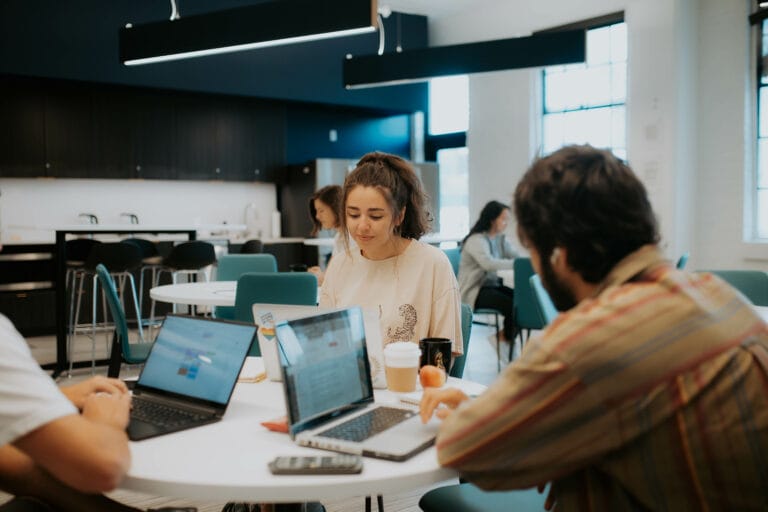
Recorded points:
(380, 502)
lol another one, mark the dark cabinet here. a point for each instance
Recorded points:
(113, 144)
(154, 134)
(69, 131)
(22, 128)
(66, 129)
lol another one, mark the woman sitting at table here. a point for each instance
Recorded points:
(410, 283)
(324, 210)
(484, 251)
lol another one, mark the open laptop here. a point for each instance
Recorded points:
(189, 375)
(329, 394)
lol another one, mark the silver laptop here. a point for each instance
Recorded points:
(189, 375)
(329, 394)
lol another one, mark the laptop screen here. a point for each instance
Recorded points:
(197, 357)
(325, 365)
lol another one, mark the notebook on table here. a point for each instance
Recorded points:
(189, 375)
(329, 394)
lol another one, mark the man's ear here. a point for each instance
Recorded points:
(554, 258)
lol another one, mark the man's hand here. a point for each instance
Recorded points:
(433, 397)
(108, 409)
(78, 393)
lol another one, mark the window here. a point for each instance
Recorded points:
(446, 144)
(585, 103)
(760, 199)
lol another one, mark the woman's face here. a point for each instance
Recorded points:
(369, 221)
(325, 215)
(499, 224)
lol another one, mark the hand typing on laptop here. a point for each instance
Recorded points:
(433, 398)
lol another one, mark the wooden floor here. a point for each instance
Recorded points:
(481, 367)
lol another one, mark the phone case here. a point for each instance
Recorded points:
(317, 465)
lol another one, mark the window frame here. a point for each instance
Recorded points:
(588, 24)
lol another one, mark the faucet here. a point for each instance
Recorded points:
(92, 219)
(132, 216)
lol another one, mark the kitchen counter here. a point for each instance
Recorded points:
(24, 235)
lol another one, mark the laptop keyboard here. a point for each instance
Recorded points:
(163, 415)
(368, 424)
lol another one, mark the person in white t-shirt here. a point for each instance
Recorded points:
(411, 284)
(59, 447)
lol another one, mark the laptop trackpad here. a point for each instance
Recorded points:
(138, 429)
(404, 439)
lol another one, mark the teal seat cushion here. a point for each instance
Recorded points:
(468, 498)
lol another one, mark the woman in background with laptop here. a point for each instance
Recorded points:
(324, 210)
(410, 283)
(485, 250)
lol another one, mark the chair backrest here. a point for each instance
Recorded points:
(147, 247)
(118, 257)
(131, 353)
(454, 256)
(546, 308)
(192, 255)
(457, 370)
(77, 250)
(299, 288)
(526, 311)
(752, 283)
(682, 260)
(252, 247)
(232, 266)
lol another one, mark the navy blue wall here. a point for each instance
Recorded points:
(78, 39)
(358, 133)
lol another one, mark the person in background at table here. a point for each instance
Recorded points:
(324, 210)
(410, 283)
(484, 251)
(647, 393)
(59, 447)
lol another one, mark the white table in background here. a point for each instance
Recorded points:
(227, 461)
(204, 293)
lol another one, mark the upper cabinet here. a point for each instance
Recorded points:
(76, 130)
(22, 128)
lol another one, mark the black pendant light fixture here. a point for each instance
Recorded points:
(264, 24)
(545, 49)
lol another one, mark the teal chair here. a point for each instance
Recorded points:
(122, 349)
(752, 283)
(457, 370)
(468, 498)
(231, 266)
(527, 315)
(454, 256)
(299, 288)
(547, 309)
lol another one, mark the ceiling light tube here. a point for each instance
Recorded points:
(245, 28)
(422, 64)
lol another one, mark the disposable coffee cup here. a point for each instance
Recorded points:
(401, 366)
(436, 352)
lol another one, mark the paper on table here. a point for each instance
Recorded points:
(253, 370)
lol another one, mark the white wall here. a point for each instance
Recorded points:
(687, 113)
(42, 203)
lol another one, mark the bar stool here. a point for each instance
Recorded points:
(121, 258)
(188, 258)
(151, 261)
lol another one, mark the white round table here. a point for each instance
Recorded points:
(227, 460)
(212, 293)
